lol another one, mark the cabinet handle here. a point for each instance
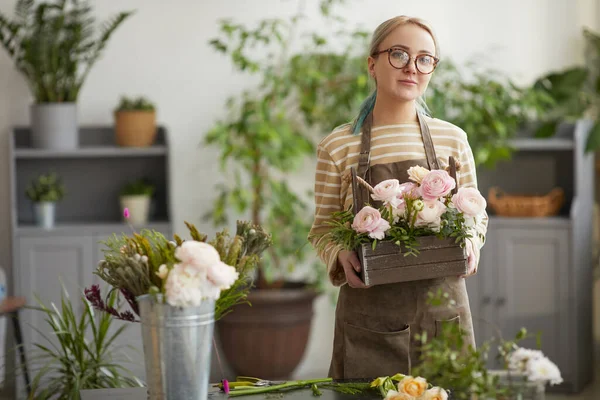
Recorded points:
(500, 302)
(487, 300)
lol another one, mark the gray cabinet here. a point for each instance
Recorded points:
(93, 175)
(537, 272)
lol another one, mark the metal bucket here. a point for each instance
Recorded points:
(177, 348)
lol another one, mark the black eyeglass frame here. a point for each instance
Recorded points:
(414, 59)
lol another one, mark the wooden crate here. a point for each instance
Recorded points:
(389, 263)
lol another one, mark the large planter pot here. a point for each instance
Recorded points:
(177, 348)
(269, 338)
(54, 126)
(135, 128)
(45, 214)
(138, 206)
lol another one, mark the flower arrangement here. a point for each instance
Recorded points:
(424, 206)
(534, 365)
(184, 272)
(397, 387)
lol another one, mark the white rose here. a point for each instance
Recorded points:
(519, 358)
(417, 173)
(198, 254)
(386, 191)
(543, 370)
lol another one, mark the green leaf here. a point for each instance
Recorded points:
(547, 129)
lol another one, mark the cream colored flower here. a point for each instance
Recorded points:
(417, 173)
(393, 395)
(412, 386)
(435, 393)
(162, 272)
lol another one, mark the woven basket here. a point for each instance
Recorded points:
(520, 205)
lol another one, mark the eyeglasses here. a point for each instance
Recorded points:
(398, 58)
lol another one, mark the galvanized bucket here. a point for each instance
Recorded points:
(177, 348)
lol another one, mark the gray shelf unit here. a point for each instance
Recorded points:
(93, 175)
(537, 272)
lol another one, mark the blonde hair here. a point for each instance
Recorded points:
(362, 121)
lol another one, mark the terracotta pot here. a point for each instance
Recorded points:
(268, 339)
(135, 128)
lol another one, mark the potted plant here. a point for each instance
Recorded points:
(135, 122)
(136, 198)
(45, 191)
(263, 141)
(54, 45)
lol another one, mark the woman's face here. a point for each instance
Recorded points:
(406, 83)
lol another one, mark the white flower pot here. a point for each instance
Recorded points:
(45, 214)
(139, 208)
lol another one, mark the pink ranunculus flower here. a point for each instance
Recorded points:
(437, 183)
(399, 209)
(198, 254)
(386, 191)
(369, 220)
(409, 189)
(431, 215)
(469, 201)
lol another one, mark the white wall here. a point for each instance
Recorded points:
(162, 52)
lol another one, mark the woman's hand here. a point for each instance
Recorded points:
(351, 264)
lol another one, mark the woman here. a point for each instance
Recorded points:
(375, 326)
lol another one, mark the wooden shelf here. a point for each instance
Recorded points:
(89, 227)
(93, 151)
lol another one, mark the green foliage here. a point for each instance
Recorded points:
(488, 106)
(135, 104)
(138, 187)
(446, 360)
(71, 360)
(131, 263)
(46, 188)
(54, 44)
(266, 135)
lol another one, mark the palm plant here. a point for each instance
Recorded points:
(71, 360)
(54, 45)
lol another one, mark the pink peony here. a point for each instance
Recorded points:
(222, 275)
(469, 201)
(198, 254)
(386, 191)
(368, 220)
(431, 215)
(438, 183)
(183, 286)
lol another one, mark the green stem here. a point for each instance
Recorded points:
(287, 385)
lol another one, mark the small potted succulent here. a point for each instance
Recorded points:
(45, 191)
(135, 122)
(136, 197)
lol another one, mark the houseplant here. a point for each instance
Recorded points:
(178, 289)
(136, 197)
(265, 138)
(78, 352)
(135, 122)
(54, 44)
(45, 191)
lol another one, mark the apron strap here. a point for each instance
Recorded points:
(432, 160)
(364, 157)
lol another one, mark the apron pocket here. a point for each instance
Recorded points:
(370, 354)
(439, 324)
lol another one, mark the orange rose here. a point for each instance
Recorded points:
(412, 386)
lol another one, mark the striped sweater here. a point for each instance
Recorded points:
(338, 152)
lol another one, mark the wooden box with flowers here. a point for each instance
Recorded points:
(420, 229)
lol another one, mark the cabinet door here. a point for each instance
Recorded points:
(533, 285)
(46, 265)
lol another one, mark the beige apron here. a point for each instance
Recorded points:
(375, 327)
